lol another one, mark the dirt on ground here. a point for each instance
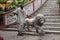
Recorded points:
(12, 35)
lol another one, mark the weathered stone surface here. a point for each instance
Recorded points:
(8, 35)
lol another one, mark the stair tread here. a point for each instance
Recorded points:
(11, 29)
(51, 23)
(51, 31)
(52, 27)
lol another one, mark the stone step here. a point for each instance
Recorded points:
(25, 32)
(52, 23)
(9, 29)
(46, 31)
(48, 26)
(15, 29)
(52, 17)
(51, 31)
(13, 26)
(48, 13)
(53, 20)
(51, 28)
(52, 14)
(45, 25)
(49, 5)
(50, 2)
(49, 8)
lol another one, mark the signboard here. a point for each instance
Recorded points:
(10, 18)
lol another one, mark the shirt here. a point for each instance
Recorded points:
(21, 15)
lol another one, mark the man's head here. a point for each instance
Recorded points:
(21, 6)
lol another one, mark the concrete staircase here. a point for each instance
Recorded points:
(50, 10)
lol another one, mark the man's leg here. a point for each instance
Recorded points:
(20, 29)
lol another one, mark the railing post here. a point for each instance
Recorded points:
(41, 2)
(33, 6)
(4, 20)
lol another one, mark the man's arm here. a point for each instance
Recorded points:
(15, 12)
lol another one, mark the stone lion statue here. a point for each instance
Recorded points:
(36, 22)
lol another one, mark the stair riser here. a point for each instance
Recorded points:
(54, 29)
(52, 25)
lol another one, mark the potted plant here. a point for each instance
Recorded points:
(58, 2)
